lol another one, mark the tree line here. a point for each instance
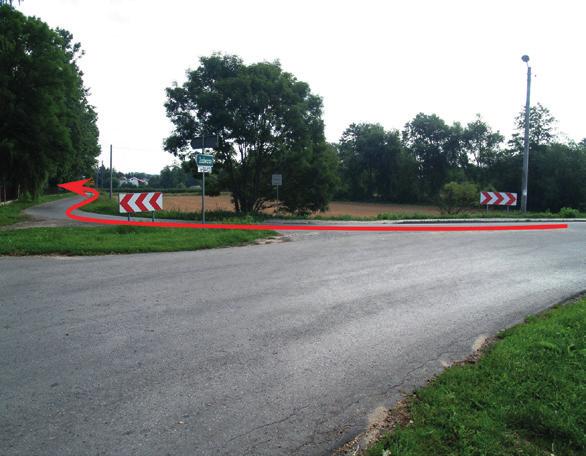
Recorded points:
(415, 164)
(270, 122)
(48, 131)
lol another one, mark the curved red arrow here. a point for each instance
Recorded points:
(80, 188)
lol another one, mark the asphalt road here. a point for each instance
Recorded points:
(273, 349)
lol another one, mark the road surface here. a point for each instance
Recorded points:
(272, 349)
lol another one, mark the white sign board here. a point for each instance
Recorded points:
(204, 169)
(277, 179)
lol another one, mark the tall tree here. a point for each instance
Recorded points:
(542, 128)
(267, 122)
(481, 144)
(369, 158)
(437, 147)
(47, 128)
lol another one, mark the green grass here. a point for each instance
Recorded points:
(104, 205)
(525, 396)
(12, 213)
(119, 239)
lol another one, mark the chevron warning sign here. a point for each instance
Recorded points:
(498, 199)
(140, 202)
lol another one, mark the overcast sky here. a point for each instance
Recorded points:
(371, 61)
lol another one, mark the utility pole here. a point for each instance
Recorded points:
(525, 59)
(203, 184)
(110, 171)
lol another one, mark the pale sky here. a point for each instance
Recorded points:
(371, 61)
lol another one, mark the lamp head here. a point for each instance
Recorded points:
(525, 58)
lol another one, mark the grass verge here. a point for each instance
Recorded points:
(110, 207)
(525, 396)
(107, 206)
(12, 213)
(119, 239)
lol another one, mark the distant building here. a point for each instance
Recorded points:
(135, 181)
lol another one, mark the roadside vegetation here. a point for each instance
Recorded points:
(119, 239)
(13, 212)
(525, 396)
(104, 205)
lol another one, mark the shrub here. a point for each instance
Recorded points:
(569, 212)
(455, 197)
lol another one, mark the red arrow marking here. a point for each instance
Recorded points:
(499, 198)
(124, 202)
(154, 201)
(139, 201)
(486, 198)
(80, 188)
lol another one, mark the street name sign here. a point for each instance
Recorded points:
(204, 160)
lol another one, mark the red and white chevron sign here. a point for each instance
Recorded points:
(140, 202)
(498, 199)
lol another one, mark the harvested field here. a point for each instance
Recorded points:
(192, 203)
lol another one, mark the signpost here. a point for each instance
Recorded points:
(277, 180)
(204, 164)
(140, 202)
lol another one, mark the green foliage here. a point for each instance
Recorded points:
(557, 176)
(375, 164)
(455, 197)
(171, 177)
(119, 239)
(568, 212)
(370, 159)
(48, 130)
(267, 121)
(434, 145)
(541, 128)
(524, 397)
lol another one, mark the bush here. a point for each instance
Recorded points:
(455, 198)
(569, 212)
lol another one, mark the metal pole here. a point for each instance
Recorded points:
(526, 151)
(110, 171)
(203, 185)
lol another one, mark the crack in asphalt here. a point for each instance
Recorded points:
(272, 423)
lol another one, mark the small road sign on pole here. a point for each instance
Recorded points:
(204, 160)
(277, 180)
(204, 164)
(204, 142)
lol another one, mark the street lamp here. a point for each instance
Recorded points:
(525, 59)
